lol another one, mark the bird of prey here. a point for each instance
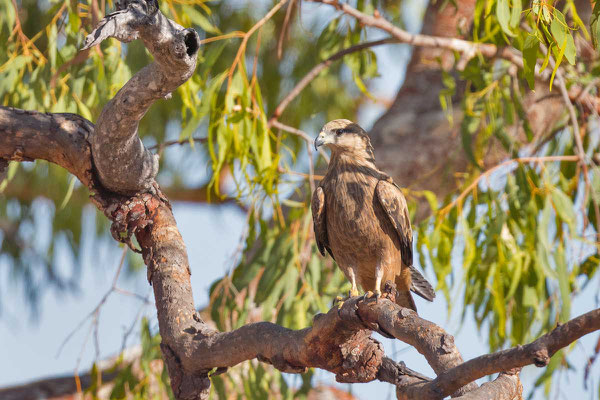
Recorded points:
(361, 219)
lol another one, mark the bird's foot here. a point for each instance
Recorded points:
(339, 301)
(376, 294)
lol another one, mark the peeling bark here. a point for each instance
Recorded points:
(124, 165)
(121, 182)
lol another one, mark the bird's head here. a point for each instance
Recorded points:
(345, 136)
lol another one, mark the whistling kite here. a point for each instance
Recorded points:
(360, 217)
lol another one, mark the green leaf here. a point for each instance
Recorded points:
(504, 16)
(10, 173)
(563, 283)
(564, 208)
(515, 15)
(530, 51)
(558, 61)
(197, 18)
(362, 87)
(69, 193)
(562, 35)
(594, 25)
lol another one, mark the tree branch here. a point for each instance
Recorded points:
(507, 386)
(537, 352)
(339, 341)
(124, 165)
(466, 48)
(316, 70)
(59, 138)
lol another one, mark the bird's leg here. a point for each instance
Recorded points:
(354, 290)
(378, 279)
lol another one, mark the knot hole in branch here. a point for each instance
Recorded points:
(192, 42)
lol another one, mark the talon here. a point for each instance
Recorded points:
(339, 300)
(377, 295)
(368, 294)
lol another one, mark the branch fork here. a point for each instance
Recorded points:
(122, 162)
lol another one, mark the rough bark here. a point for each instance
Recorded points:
(417, 122)
(339, 341)
(507, 386)
(124, 165)
(59, 138)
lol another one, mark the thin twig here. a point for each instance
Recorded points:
(247, 36)
(485, 174)
(314, 72)
(163, 145)
(94, 312)
(560, 81)
(464, 47)
(298, 132)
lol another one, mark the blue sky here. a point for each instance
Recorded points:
(212, 235)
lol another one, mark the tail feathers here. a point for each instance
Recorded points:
(404, 299)
(420, 286)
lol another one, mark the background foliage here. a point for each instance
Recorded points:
(515, 245)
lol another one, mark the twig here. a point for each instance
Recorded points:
(314, 72)
(505, 163)
(298, 132)
(247, 36)
(163, 145)
(286, 26)
(464, 47)
(560, 81)
(95, 311)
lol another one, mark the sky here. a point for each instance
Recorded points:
(30, 350)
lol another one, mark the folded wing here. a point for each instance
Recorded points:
(394, 204)
(320, 221)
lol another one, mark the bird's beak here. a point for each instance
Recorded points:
(320, 140)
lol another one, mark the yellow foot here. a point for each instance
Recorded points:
(339, 301)
(353, 293)
(370, 295)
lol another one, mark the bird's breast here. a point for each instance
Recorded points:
(352, 213)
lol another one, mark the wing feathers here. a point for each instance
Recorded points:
(320, 222)
(394, 204)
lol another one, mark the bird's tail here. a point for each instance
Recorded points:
(410, 279)
(405, 299)
(420, 285)
(403, 284)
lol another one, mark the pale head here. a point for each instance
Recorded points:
(345, 136)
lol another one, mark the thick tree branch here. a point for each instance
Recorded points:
(537, 352)
(59, 138)
(339, 341)
(124, 165)
(507, 386)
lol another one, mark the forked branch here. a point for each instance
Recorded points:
(110, 158)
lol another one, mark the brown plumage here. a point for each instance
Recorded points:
(361, 218)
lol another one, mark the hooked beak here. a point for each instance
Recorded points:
(319, 140)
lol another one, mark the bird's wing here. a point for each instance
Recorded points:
(320, 222)
(394, 204)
